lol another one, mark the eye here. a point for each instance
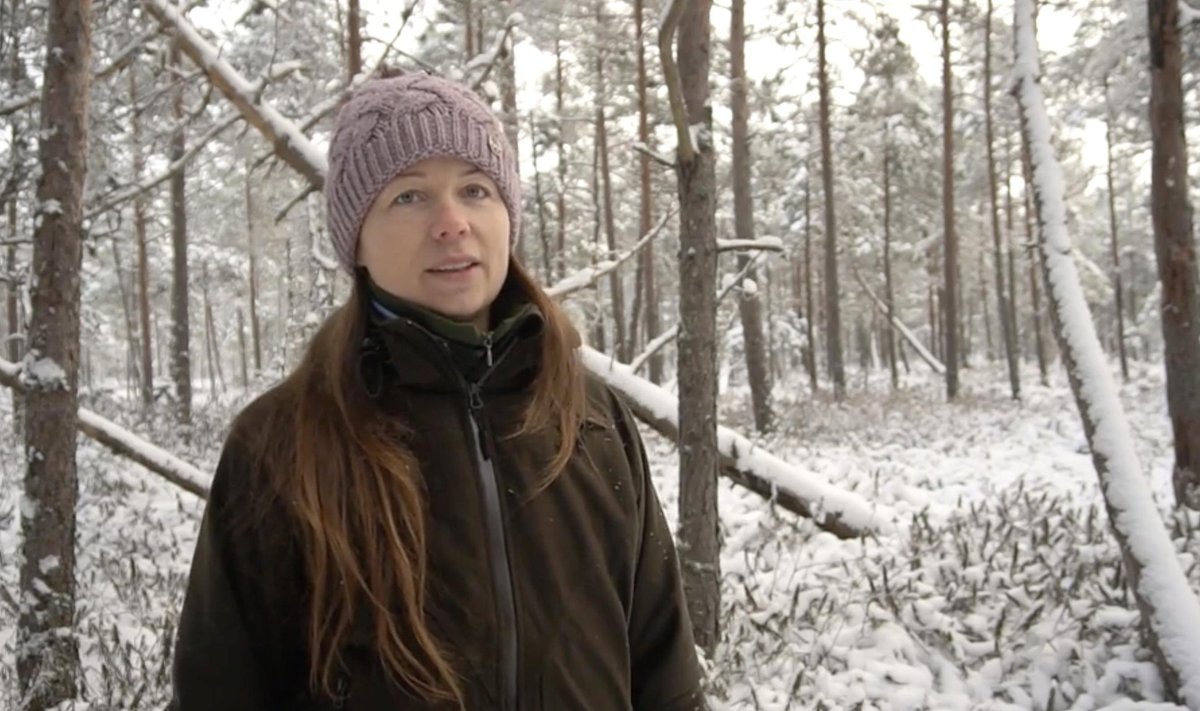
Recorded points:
(407, 197)
(476, 191)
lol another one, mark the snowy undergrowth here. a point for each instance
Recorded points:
(1001, 590)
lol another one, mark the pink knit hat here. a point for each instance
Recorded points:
(389, 124)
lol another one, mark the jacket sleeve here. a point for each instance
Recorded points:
(227, 654)
(665, 672)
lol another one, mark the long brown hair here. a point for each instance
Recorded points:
(356, 501)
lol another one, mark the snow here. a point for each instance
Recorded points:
(51, 207)
(1163, 584)
(749, 286)
(827, 499)
(1187, 14)
(43, 372)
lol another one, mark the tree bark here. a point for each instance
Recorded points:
(508, 109)
(47, 649)
(653, 321)
(1175, 246)
(560, 113)
(241, 326)
(950, 237)
(810, 352)
(543, 233)
(1002, 307)
(833, 319)
(889, 295)
(143, 266)
(620, 346)
(353, 39)
(1168, 607)
(252, 253)
(181, 368)
(749, 304)
(1115, 249)
(699, 542)
(1034, 266)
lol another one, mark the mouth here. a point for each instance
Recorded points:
(454, 267)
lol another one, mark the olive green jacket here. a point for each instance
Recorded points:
(567, 599)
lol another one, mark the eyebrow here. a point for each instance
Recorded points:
(418, 174)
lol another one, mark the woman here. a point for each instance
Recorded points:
(438, 508)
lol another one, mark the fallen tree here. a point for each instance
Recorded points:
(908, 336)
(1170, 611)
(124, 442)
(840, 512)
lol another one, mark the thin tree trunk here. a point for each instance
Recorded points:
(252, 249)
(1034, 266)
(989, 343)
(543, 233)
(242, 349)
(353, 39)
(12, 307)
(833, 320)
(143, 267)
(1115, 249)
(1175, 246)
(749, 304)
(598, 332)
(47, 648)
(1010, 252)
(181, 369)
(1002, 301)
(468, 32)
(699, 541)
(560, 261)
(211, 328)
(950, 264)
(620, 345)
(646, 265)
(889, 295)
(131, 345)
(508, 106)
(810, 354)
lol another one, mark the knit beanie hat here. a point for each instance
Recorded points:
(387, 125)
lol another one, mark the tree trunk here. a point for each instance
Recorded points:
(181, 368)
(989, 344)
(12, 308)
(543, 233)
(468, 32)
(1169, 612)
(252, 249)
(598, 333)
(950, 264)
(1115, 249)
(620, 346)
(131, 347)
(749, 304)
(810, 353)
(699, 542)
(210, 327)
(1002, 308)
(889, 295)
(560, 261)
(353, 39)
(646, 265)
(508, 106)
(241, 320)
(833, 319)
(1175, 246)
(146, 368)
(47, 649)
(1010, 252)
(1034, 266)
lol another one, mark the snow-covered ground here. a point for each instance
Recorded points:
(1002, 588)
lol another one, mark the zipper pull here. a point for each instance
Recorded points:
(475, 397)
(487, 343)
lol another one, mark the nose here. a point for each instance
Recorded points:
(449, 220)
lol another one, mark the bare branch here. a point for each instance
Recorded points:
(666, 35)
(586, 277)
(937, 366)
(657, 158)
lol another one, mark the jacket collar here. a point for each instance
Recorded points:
(414, 348)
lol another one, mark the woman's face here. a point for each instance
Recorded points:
(437, 235)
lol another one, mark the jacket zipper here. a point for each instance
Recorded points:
(506, 603)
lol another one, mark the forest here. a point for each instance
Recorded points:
(903, 295)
